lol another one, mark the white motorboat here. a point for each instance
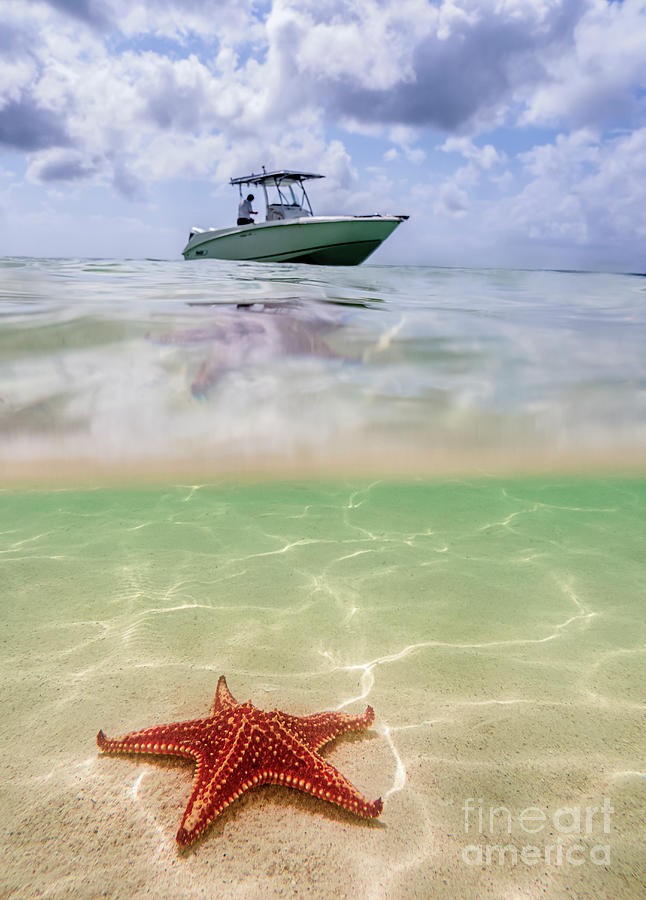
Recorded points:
(291, 232)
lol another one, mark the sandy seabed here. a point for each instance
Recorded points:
(495, 626)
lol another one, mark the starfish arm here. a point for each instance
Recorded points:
(177, 739)
(224, 699)
(218, 781)
(296, 765)
(318, 729)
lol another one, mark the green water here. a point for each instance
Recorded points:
(496, 625)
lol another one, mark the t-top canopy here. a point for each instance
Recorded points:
(280, 176)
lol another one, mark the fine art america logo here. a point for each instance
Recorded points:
(570, 835)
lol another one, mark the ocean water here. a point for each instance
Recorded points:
(422, 489)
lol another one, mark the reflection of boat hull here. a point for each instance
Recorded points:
(321, 240)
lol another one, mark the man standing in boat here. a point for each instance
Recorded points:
(245, 211)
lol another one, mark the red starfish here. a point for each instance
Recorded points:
(239, 746)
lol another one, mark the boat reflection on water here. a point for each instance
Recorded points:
(257, 334)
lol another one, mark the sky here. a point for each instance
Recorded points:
(512, 132)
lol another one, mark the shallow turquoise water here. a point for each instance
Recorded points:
(483, 589)
(496, 625)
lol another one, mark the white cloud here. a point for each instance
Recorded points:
(453, 65)
(415, 154)
(452, 197)
(451, 200)
(228, 21)
(597, 82)
(483, 158)
(568, 156)
(391, 65)
(368, 43)
(128, 95)
(61, 165)
(583, 190)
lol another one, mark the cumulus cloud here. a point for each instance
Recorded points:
(454, 65)
(226, 21)
(71, 88)
(90, 11)
(61, 166)
(480, 159)
(451, 200)
(452, 197)
(394, 65)
(129, 92)
(582, 190)
(601, 82)
(126, 182)
(177, 94)
(26, 126)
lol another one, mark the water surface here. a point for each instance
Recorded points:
(260, 367)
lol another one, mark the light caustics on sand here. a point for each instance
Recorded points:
(321, 582)
(367, 679)
(603, 658)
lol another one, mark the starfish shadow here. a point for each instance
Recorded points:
(272, 796)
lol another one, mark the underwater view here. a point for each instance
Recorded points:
(413, 489)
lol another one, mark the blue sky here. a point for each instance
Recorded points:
(512, 131)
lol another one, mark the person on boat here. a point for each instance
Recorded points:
(245, 211)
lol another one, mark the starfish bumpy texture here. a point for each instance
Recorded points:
(239, 746)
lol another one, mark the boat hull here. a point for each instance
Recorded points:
(328, 241)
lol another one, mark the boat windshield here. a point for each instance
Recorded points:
(288, 198)
(285, 204)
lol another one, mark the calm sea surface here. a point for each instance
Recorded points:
(418, 488)
(254, 366)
